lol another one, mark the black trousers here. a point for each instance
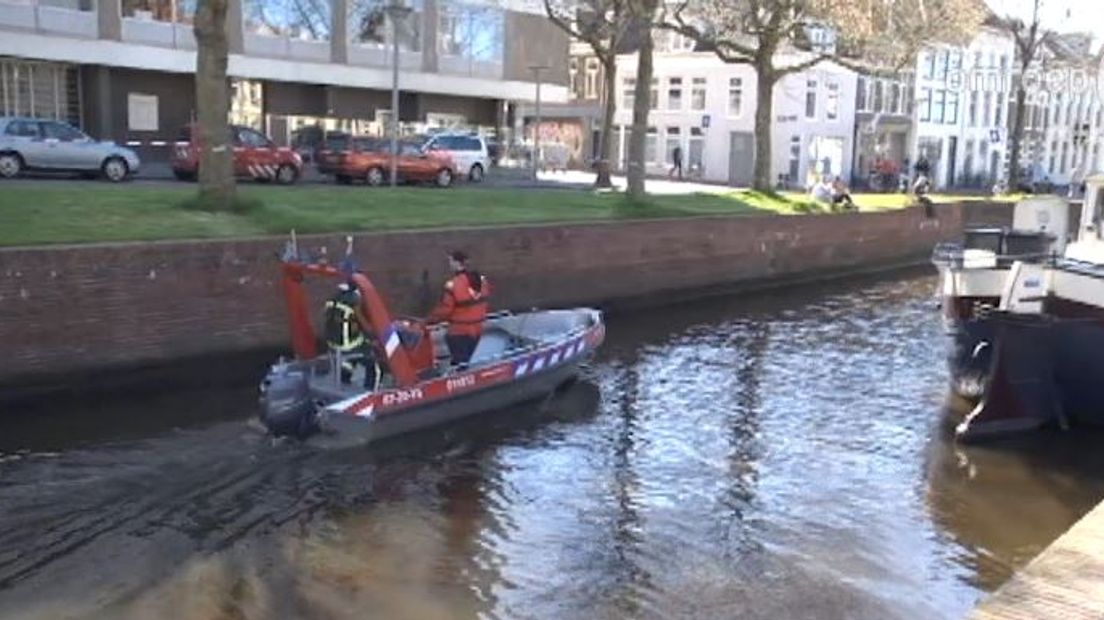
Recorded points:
(461, 348)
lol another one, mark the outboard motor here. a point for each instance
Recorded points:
(286, 407)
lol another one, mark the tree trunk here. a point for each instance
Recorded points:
(1016, 139)
(642, 103)
(216, 156)
(764, 100)
(605, 136)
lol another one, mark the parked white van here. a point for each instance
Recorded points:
(468, 152)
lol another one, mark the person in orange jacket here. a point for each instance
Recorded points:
(464, 306)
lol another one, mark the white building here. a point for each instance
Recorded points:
(1064, 117)
(707, 107)
(962, 96)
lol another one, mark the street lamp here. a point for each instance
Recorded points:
(536, 69)
(396, 12)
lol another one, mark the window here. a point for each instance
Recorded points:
(977, 60)
(1053, 155)
(1057, 108)
(879, 89)
(860, 94)
(697, 148)
(22, 129)
(831, 105)
(294, 19)
(999, 114)
(968, 161)
(142, 112)
(895, 98)
(590, 90)
(939, 102)
(650, 145)
(1100, 115)
(60, 131)
(180, 11)
(674, 93)
(1065, 158)
(941, 65)
(810, 98)
(951, 114)
(655, 94)
(473, 32)
(575, 78)
(735, 96)
(928, 62)
(368, 145)
(628, 93)
(795, 159)
(825, 156)
(697, 94)
(987, 110)
(1003, 63)
(973, 108)
(674, 138)
(252, 139)
(925, 104)
(910, 96)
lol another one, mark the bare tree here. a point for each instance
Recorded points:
(644, 13)
(870, 36)
(602, 25)
(216, 171)
(1029, 39)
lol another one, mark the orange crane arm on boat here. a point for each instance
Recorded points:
(383, 332)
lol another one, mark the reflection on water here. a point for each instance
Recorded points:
(774, 457)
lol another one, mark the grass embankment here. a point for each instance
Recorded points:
(84, 213)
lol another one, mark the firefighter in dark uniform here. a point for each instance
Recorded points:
(346, 337)
(464, 306)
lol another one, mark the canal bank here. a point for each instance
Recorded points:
(1065, 582)
(70, 311)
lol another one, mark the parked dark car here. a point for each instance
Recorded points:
(310, 141)
(327, 157)
(31, 144)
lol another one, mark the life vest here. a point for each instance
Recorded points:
(343, 332)
(469, 307)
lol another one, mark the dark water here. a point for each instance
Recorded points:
(772, 457)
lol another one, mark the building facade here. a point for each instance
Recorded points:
(124, 69)
(569, 132)
(884, 109)
(1064, 116)
(962, 102)
(706, 108)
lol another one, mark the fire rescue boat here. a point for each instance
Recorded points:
(520, 357)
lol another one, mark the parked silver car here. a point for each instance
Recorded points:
(57, 146)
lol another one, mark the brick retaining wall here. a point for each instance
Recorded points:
(66, 310)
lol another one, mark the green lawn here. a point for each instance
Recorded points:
(48, 213)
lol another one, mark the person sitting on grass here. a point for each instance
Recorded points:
(841, 196)
(921, 189)
(822, 191)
